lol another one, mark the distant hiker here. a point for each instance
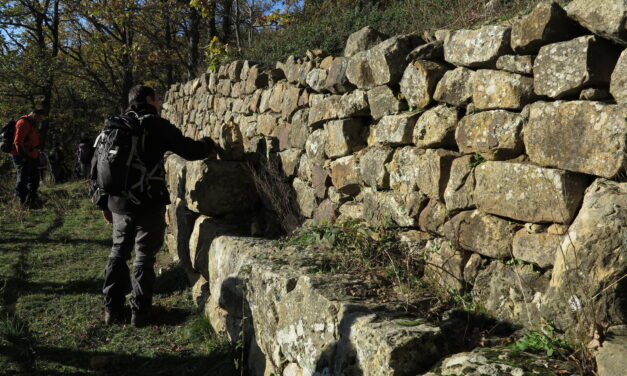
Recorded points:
(55, 158)
(84, 153)
(128, 172)
(26, 158)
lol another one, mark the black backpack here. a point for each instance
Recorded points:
(117, 167)
(6, 136)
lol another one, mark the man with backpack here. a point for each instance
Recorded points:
(25, 152)
(128, 171)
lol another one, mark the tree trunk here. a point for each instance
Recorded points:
(226, 20)
(193, 42)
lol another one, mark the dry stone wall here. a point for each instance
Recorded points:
(507, 142)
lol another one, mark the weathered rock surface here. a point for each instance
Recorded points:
(362, 40)
(372, 166)
(344, 137)
(547, 23)
(233, 192)
(434, 166)
(455, 87)
(206, 229)
(618, 83)
(528, 193)
(445, 265)
(354, 103)
(580, 136)
(516, 64)
(337, 82)
(433, 217)
(419, 81)
(323, 108)
(315, 146)
(395, 130)
(482, 233)
(435, 128)
(429, 51)
(383, 101)
(510, 292)
(563, 69)
(610, 358)
(494, 89)
(539, 249)
(381, 208)
(345, 175)
(477, 48)
(493, 134)
(595, 247)
(290, 159)
(459, 193)
(404, 169)
(306, 197)
(603, 17)
(316, 79)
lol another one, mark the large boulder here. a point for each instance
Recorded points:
(362, 40)
(501, 90)
(493, 134)
(215, 188)
(582, 136)
(546, 23)
(455, 87)
(563, 69)
(528, 193)
(618, 83)
(482, 233)
(419, 81)
(588, 279)
(604, 17)
(477, 48)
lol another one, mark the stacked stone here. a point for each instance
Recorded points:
(503, 146)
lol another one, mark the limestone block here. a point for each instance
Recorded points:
(354, 103)
(326, 62)
(546, 23)
(264, 101)
(445, 265)
(618, 83)
(180, 222)
(289, 103)
(404, 169)
(510, 292)
(563, 69)
(521, 64)
(539, 249)
(275, 102)
(344, 137)
(290, 159)
(316, 145)
(175, 168)
(345, 175)
(200, 292)
(602, 17)
(419, 81)
(433, 217)
(206, 229)
(434, 166)
(610, 358)
(316, 79)
(337, 82)
(435, 128)
(256, 79)
(215, 188)
(482, 233)
(493, 134)
(582, 136)
(224, 87)
(472, 268)
(455, 87)
(477, 48)
(588, 277)
(299, 129)
(528, 193)
(324, 108)
(494, 89)
(395, 130)
(429, 51)
(267, 125)
(362, 40)
(384, 208)
(459, 193)
(296, 72)
(372, 162)
(326, 212)
(320, 180)
(383, 101)
(350, 210)
(306, 197)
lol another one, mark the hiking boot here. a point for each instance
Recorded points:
(139, 319)
(112, 317)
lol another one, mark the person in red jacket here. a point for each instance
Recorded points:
(26, 157)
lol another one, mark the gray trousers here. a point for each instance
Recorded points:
(143, 231)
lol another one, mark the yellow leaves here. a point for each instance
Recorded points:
(216, 53)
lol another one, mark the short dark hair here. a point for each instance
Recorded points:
(138, 93)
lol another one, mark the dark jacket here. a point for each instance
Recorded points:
(161, 136)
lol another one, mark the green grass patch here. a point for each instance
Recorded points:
(51, 323)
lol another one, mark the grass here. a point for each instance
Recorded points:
(51, 264)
